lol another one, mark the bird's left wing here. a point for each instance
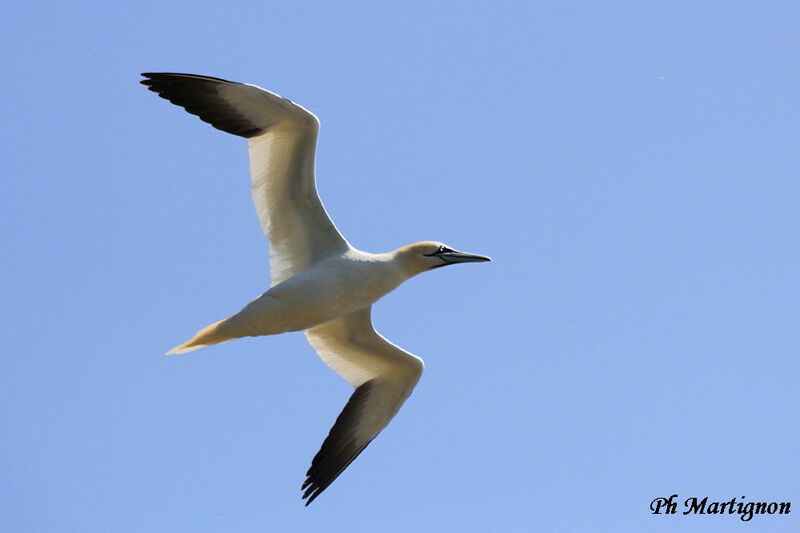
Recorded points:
(282, 138)
(384, 376)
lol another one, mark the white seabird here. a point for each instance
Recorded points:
(320, 283)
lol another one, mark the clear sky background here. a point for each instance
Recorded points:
(632, 168)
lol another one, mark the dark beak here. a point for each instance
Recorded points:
(463, 257)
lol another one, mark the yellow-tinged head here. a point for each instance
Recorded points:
(426, 255)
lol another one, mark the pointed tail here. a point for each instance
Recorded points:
(207, 336)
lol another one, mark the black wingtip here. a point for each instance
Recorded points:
(201, 96)
(340, 447)
(309, 500)
(153, 75)
(310, 491)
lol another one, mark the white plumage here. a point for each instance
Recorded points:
(320, 283)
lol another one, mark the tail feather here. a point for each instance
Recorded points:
(207, 336)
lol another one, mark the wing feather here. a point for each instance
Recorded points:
(282, 144)
(384, 376)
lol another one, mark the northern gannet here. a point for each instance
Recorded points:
(320, 283)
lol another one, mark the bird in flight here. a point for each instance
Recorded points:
(320, 283)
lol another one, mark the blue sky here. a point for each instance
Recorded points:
(632, 168)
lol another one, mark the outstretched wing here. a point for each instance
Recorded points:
(384, 376)
(282, 142)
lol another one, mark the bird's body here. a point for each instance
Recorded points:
(320, 283)
(335, 287)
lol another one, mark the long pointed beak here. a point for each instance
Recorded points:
(463, 257)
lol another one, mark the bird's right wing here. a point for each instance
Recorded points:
(282, 143)
(384, 376)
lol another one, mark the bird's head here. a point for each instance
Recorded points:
(427, 255)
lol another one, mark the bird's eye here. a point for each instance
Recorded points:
(439, 251)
